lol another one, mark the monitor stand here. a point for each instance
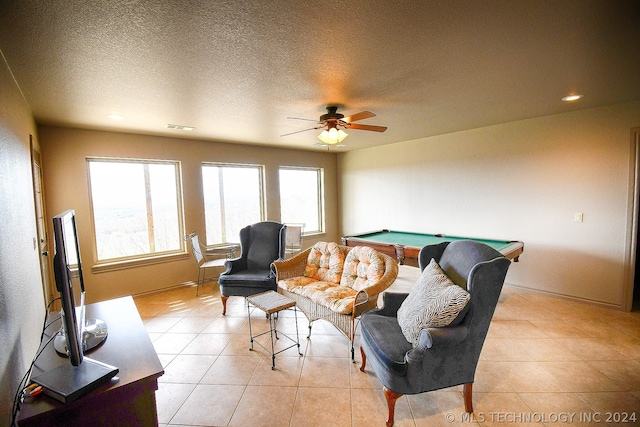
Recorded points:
(93, 334)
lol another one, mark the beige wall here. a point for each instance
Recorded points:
(22, 306)
(523, 181)
(64, 156)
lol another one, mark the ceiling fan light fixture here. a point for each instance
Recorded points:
(332, 136)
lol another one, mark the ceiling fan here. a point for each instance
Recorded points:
(334, 124)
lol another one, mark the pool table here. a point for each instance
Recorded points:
(405, 246)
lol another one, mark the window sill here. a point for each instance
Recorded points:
(135, 263)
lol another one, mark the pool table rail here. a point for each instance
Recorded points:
(407, 254)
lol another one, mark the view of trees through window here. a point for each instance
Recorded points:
(136, 207)
(301, 197)
(233, 199)
(137, 204)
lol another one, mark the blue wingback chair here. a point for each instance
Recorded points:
(260, 244)
(446, 356)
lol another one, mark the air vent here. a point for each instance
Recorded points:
(180, 127)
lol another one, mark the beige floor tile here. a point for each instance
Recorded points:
(336, 346)
(186, 368)
(236, 307)
(169, 399)
(591, 349)
(369, 408)
(546, 349)
(286, 374)
(436, 408)
(325, 372)
(491, 379)
(190, 324)
(529, 376)
(360, 379)
(504, 312)
(624, 373)
(147, 310)
(209, 405)
(502, 350)
(212, 307)
(240, 345)
(321, 407)
(613, 408)
(225, 325)
(165, 359)
(288, 326)
(210, 344)
(581, 377)
(236, 370)
(322, 327)
(500, 409)
(268, 406)
(559, 328)
(161, 324)
(154, 335)
(517, 329)
(170, 343)
(560, 409)
(626, 344)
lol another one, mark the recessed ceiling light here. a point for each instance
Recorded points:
(570, 98)
(115, 116)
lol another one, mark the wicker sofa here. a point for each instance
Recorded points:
(335, 283)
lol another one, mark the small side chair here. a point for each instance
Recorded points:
(295, 236)
(202, 260)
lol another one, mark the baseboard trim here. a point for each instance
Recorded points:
(190, 283)
(565, 297)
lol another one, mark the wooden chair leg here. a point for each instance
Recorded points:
(468, 402)
(224, 304)
(391, 397)
(364, 359)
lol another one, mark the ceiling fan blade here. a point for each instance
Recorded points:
(358, 116)
(303, 130)
(300, 118)
(366, 127)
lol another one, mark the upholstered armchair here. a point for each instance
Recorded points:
(260, 245)
(442, 356)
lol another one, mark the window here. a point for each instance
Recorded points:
(233, 198)
(137, 208)
(301, 197)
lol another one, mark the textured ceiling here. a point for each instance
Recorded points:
(237, 70)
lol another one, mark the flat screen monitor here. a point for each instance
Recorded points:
(77, 335)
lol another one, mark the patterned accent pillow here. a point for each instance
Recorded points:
(325, 262)
(434, 301)
(363, 266)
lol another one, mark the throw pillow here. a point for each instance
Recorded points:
(434, 301)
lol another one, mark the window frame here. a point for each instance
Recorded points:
(308, 230)
(262, 199)
(146, 258)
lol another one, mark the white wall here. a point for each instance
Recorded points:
(22, 307)
(522, 181)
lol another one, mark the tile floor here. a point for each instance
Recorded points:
(546, 362)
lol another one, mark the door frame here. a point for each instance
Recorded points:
(632, 221)
(41, 241)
